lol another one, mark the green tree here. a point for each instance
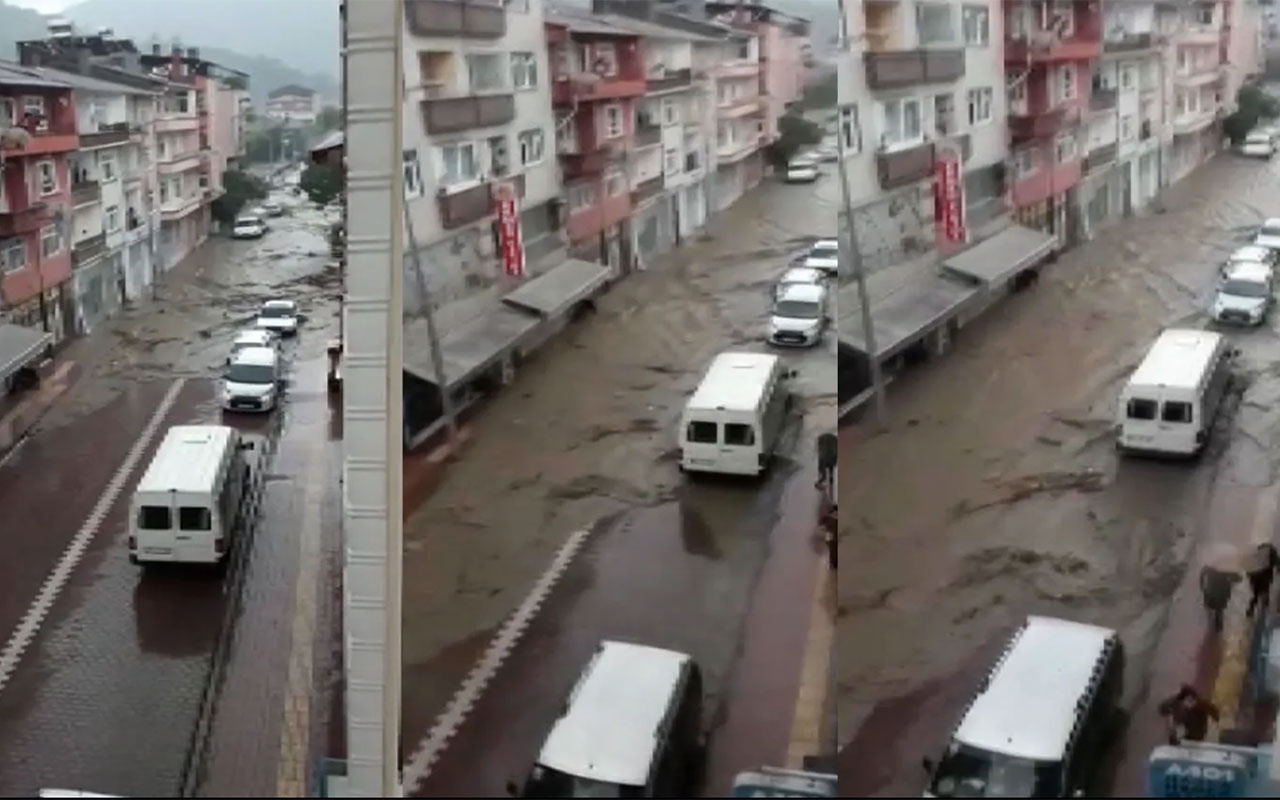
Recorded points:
(321, 182)
(794, 133)
(329, 119)
(1252, 105)
(821, 94)
(238, 189)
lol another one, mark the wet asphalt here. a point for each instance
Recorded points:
(118, 692)
(996, 491)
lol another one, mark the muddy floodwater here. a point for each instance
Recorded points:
(997, 492)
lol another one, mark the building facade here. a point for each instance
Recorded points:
(292, 104)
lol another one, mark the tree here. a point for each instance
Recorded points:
(1252, 105)
(321, 182)
(329, 119)
(238, 189)
(820, 94)
(794, 133)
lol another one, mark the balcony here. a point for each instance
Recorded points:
(901, 167)
(586, 87)
(179, 207)
(1193, 121)
(1043, 47)
(27, 219)
(738, 69)
(894, 69)
(454, 114)
(1103, 99)
(1042, 124)
(58, 139)
(136, 232)
(738, 107)
(173, 122)
(85, 251)
(1196, 75)
(646, 190)
(1100, 157)
(471, 205)
(463, 18)
(667, 80)
(581, 165)
(734, 152)
(1125, 42)
(1198, 34)
(84, 193)
(106, 136)
(178, 162)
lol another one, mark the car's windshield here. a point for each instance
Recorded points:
(276, 312)
(249, 373)
(824, 251)
(248, 221)
(797, 309)
(1243, 288)
(544, 782)
(1270, 230)
(1258, 138)
(969, 772)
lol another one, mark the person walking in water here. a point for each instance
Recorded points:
(828, 456)
(1188, 715)
(1215, 587)
(1263, 564)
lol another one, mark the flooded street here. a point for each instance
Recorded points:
(657, 558)
(997, 492)
(171, 681)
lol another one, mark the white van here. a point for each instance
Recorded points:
(799, 315)
(732, 422)
(1245, 294)
(187, 505)
(1041, 721)
(1170, 400)
(251, 381)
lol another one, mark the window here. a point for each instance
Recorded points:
(1065, 148)
(1017, 97)
(1175, 412)
(1062, 18)
(934, 23)
(692, 161)
(13, 256)
(580, 197)
(195, 518)
(850, 130)
(164, 192)
(6, 112)
(457, 163)
(614, 185)
(671, 157)
(47, 177)
(499, 156)
(670, 114)
(604, 60)
(33, 105)
(744, 50)
(901, 123)
(412, 174)
(613, 121)
(1020, 21)
(1127, 77)
(980, 106)
(50, 242)
(107, 166)
(532, 145)
(1127, 130)
(112, 219)
(155, 518)
(1204, 14)
(738, 434)
(1137, 408)
(977, 26)
(702, 433)
(485, 72)
(524, 70)
(1066, 82)
(1025, 161)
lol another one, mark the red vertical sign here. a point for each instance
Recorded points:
(508, 208)
(948, 199)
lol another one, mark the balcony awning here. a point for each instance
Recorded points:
(559, 288)
(19, 346)
(467, 348)
(993, 261)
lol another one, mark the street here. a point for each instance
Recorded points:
(568, 484)
(172, 682)
(997, 492)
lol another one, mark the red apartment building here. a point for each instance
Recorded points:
(38, 130)
(1048, 49)
(597, 73)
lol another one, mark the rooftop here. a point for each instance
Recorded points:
(1177, 359)
(12, 74)
(188, 459)
(734, 381)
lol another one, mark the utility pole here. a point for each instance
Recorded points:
(429, 314)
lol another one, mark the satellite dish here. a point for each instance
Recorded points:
(14, 138)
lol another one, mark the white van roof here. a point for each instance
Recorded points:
(609, 729)
(188, 459)
(734, 381)
(1178, 359)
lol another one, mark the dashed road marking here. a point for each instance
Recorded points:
(418, 766)
(29, 626)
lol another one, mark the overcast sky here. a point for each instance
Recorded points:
(43, 6)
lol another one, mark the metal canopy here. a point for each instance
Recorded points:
(18, 346)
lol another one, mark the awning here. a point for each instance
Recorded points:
(903, 316)
(467, 348)
(556, 290)
(19, 346)
(994, 260)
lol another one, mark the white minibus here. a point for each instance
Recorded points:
(187, 505)
(732, 422)
(1171, 399)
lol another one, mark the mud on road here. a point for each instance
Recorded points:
(996, 492)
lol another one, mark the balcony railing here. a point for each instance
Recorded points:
(648, 134)
(1042, 124)
(470, 18)
(901, 167)
(471, 205)
(578, 165)
(85, 192)
(27, 219)
(646, 189)
(669, 79)
(1100, 156)
(894, 69)
(453, 114)
(565, 90)
(1126, 42)
(1045, 47)
(1103, 99)
(89, 249)
(106, 135)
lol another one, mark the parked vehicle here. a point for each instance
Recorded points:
(1258, 144)
(1251, 253)
(280, 316)
(732, 422)
(631, 727)
(1269, 234)
(252, 380)
(1042, 718)
(254, 337)
(272, 208)
(187, 505)
(248, 226)
(1169, 402)
(800, 315)
(824, 255)
(802, 170)
(775, 782)
(798, 275)
(1245, 294)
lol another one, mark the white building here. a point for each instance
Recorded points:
(739, 112)
(293, 104)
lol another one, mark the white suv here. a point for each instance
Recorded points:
(823, 255)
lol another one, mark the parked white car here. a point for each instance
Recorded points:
(254, 337)
(802, 170)
(252, 380)
(1258, 144)
(799, 316)
(824, 255)
(248, 226)
(272, 208)
(280, 316)
(1245, 294)
(1269, 234)
(798, 275)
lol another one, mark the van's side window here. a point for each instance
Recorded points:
(194, 518)
(1176, 412)
(739, 434)
(1142, 409)
(154, 518)
(702, 432)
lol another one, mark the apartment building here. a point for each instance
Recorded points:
(293, 104)
(1196, 31)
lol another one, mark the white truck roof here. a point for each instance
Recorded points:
(1178, 359)
(734, 382)
(187, 460)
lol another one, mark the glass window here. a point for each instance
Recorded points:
(250, 373)
(486, 71)
(412, 174)
(934, 23)
(702, 432)
(13, 256)
(524, 70)
(48, 175)
(1138, 408)
(112, 221)
(1243, 288)
(980, 106)
(613, 121)
(797, 309)
(902, 123)
(736, 433)
(1066, 82)
(532, 146)
(50, 242)
(604, 59)
(969, 772)
(457, 163)
(1175, 412)
(194, 518)
(977, 26)
(154, 518)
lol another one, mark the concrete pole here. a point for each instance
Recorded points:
(372, 408)
(429, 315)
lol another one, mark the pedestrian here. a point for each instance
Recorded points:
(830, 535)
(1215, 587)
(1262, 569)
(1187, 715)
(828, 456)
